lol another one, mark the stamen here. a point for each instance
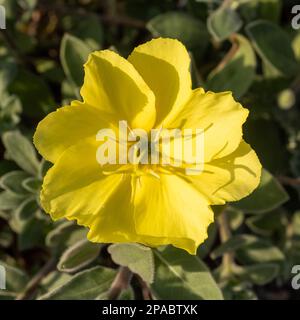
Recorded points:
(154, 174)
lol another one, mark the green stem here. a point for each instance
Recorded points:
(225, 235)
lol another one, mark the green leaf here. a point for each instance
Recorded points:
(85, 285)
(78, 256)
(138, 258)
(238, 73)
(21, 151)
(54, 280)
(10, 109)
(238, 291)
(180, 26)
(8, 71)
(90, 31)
(181, 276)
(30, 4)
(126, 294)
(235, 217)
(234, 243)
(65, 234)
(261, 9)
(23, 214)
(73, 54)
(206, 246)
(266, 224)
(259, 274)
(268, 196)
(35, 95)
(44, 167)
(223, 22)
(271, 150)
(32, 185)
(32, 235)
(7, 166)
(260, 251)
(273, 46)
(50, 70)
(42, 215)
(16, 279)
(12, 181)
(6, 237)
(9, 200)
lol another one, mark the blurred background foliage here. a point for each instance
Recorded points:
(244, 46)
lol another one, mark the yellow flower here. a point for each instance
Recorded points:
(150, 204)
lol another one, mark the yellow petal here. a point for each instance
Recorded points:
(219, 115)
(119, 209)
(164, 65)
(76, 185)
(66, 126)
(115, 223)
(171, 208)
(75, 189)
(112, 84)
(230, 178)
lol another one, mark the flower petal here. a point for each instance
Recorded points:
(221, 118)
(119, 209)
(76, 185)
(113, 85)
(165, 66)
(76, 189)
(115, 223)
(171, 208)
(230, 178)
(66, 126)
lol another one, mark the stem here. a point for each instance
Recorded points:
(35, 281)
(120, 283)
(289, 181)
(225, 235)
(145, 289)
(234, 48)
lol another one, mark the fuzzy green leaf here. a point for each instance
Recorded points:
(73, 54)
(223, 22)
(181, 276)
(273, 45)
(238, 73)
(21, 151)
(86, 285)
(268, 196)
(178, 25)
(80, 255)
(138, 258)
